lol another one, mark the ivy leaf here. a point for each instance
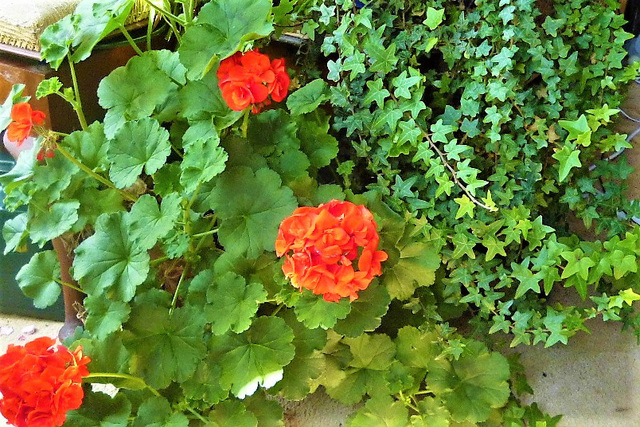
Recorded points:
(110, 261)
(307, 98)
(231, 413)
(466, 207)
(366, 312)
(232, 303)
(494, 247)
(150, 222)
(377, 93)
(568, 159)
(382, 59)
(315, 312)
(415, 267)
(250, 224)
(528, 280)
(95, 20)
(213, 38)
(402, 83)
(133, 92)
(157, 412)
(380, 410)
(104, 316)
(255, 357)
(434, 17)
(137, 145)
(472, 385)
(203, 160)
(101, 410)
(165, 347)
(37, 279)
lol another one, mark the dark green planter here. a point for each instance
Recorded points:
(12, 300)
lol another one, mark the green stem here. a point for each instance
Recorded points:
(123, 377)
(158, 260)
(206, 233)
(69, 285)
(94, 175)
(175, 150)
(197, 415)
(130, 39)
(187, 220)
(187, 8)
(202, 239)
(174, 301)
(245, 122)
(277, 310)
(165, 13)
(77, 106)
(149, 31)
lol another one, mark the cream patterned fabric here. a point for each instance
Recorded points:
(23, 21)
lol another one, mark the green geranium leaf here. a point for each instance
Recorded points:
(255, 357)
(89, 147)
(308, 363)
(315, 312)
(214, 37)
(133, 92)
(203, 160)
(204, 383)
(232, 303)
(366, 312)
(416, 348)
(101, 410)
(150, 222)
(137, 145)
(157, 412)
(165, 347)
(307, 98)
(48, 87)
(315, 141)
(108, 355)
(110, 261)
(371, 351)
(201, 100)
(95, 20)
(37, 279)
(14, 232)
(231, 413)
(250, 224)
(415, 267)
(56, 40)
(472, 385)
(46, 222)
(433, 413)
(104, 316)
(268, 411)
(380, 410)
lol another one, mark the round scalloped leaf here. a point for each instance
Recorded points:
(315, 312)
(255, 357)
(100, 409)
(307, 98)
(380, 410)
(37, 279)
(104, 316)
(366, 312)
(472, 385)
(157, 412)
(232, 303)
(150, 222)
(110, 260)
(232, 413)
(137, 145)
(213, 37)
(250, 224)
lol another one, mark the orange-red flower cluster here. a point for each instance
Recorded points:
(24, 118)
(249, 79)
(321, 247)
(40, 383)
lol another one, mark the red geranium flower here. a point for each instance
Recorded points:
(321, 246)
(248, 79)
(24, 117)
(40, 383)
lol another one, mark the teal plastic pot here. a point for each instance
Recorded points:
(12, 300)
